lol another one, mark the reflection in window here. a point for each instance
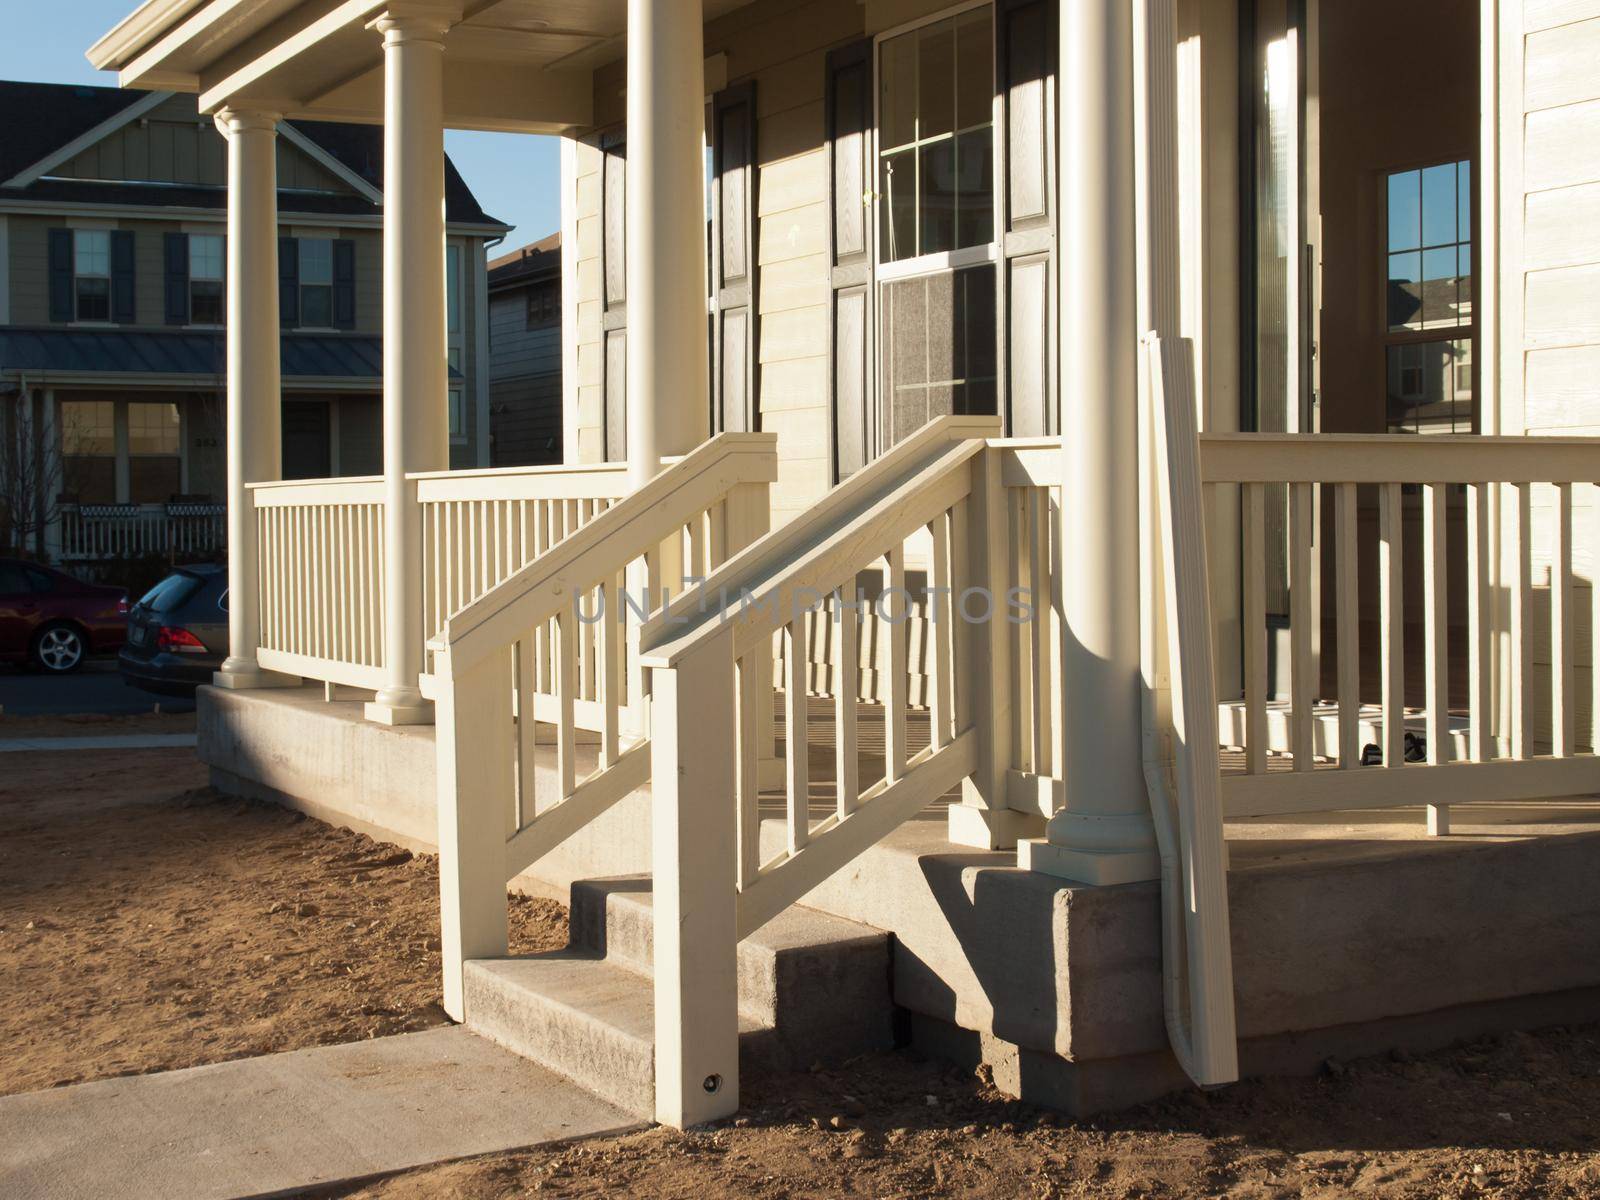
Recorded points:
(89, 450)
(936, 137)
(1430, 247)
(91, 270)
(1430, 387)
(316, 283)
(154, 445)
(205, 278)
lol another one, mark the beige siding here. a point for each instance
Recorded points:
(30, 268)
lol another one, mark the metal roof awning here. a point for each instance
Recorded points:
(181, 357)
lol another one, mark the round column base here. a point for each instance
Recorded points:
(1102, 850)
(399, 706)
(244, 674)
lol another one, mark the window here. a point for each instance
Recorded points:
(155, 445)
(937, 314)
(544, 304)
(936, 137)
(1428, 300)
(91, 271)
(458, 416)
(316, 283)
(89, 450)
(205, 278)
(452, 287)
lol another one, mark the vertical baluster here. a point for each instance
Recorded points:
(1024, 639)
(1521, 588)
(939, 635)
(716, 535)
(748, 778)
(610, 668)
(1436, 640)
(1302, 726)
(1347, 617)
(527, 800)
(1480, 608)
(895, 623)
(1392, 615)
(847, 756)
(565, 635)
(1255, 628)
(796, 740)
(1040, 551)
(1563, 720)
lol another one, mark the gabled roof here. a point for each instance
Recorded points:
(38, 119)
(528, 262)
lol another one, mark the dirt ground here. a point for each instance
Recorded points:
(162, 925)
(165, 926)
(95, 724)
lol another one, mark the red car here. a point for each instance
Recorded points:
(52, 621)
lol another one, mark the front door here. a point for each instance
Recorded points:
(306, 440)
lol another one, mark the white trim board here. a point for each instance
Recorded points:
(305, 143)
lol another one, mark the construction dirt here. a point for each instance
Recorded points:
(160, 925)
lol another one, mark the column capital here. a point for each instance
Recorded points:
(230, 120)
(416, 20)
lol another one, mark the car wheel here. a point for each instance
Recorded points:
(58, 649)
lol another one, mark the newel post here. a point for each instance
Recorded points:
(696, 912)
(472, 744)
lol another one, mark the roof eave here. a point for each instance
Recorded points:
(137, 30)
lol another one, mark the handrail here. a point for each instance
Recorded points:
(524, 650)
(707, 652)
(1385, 458)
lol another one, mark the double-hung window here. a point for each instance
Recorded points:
(316, 283)
(91, 274)
(935, 193)
(205, 278)
(1428, 303)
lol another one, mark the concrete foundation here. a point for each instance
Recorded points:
(1352, 932)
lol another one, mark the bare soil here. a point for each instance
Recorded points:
(162, 925)
(95, 724)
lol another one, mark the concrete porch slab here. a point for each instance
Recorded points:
(282, 1122)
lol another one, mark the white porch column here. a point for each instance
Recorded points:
(416, 420)
(254, 429)
(1103, 835)
(668, 407)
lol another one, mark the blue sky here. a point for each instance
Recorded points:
(515, 178)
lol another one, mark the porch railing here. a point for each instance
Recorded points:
(177, 532)
(1433, 514)
(320, 578)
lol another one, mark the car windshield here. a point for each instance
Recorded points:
(170, 592)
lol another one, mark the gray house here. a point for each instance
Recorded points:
(525, 355)
(113, 220)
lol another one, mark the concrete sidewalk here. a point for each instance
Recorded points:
(115, 741)
(283, 1122)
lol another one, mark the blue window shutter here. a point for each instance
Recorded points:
(61, 275)
(288, 282)
(344, 284)
(176, 257)
(124, 309)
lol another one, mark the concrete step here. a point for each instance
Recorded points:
(819, 983)
(580, 1016)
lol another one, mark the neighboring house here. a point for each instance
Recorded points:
(113, 208)
(525, 355)
(1196, 330)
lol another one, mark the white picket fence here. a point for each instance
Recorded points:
(178, 532)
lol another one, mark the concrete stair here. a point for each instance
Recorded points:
(812, 988)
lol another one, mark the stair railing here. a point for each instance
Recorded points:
(504, 803)
(713, 884)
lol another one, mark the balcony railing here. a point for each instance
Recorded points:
(175, 531)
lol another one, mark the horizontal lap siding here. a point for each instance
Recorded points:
(591, 380)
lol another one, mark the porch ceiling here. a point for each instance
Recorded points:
(513, 65)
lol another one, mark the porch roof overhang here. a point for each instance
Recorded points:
(523, 66)
(182, 358)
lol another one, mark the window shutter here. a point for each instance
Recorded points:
(344, 284)
(124, 310)
(1025, 44)
(734, 388)
(614, 296)
(176, 258)
(848, 109)
(61, 275)
(288, 282)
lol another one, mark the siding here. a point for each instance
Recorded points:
(1550, 286)
(525, 384)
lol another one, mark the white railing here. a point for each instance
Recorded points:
(177, 532)
(496, 816)
(1456, 556)
(708, 653)
(320, 578)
